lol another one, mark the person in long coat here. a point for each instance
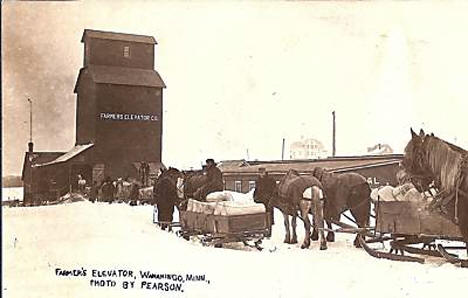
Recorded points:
(265, 186)
(108, 190)
(165, 197)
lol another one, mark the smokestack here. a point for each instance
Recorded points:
(334, 135)
(282, 150)
(30, 147)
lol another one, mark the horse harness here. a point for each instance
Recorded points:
(440, 200)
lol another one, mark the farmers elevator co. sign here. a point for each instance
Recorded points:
(128, 117)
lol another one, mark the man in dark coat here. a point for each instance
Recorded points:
(165, 197)
(108, 190)
(94, 191)
(214, 180)
(264, 190)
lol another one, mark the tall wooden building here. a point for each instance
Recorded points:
(119, 102)
(118, 111)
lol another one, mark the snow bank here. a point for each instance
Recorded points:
(39, 240)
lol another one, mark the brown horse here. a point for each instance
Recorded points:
(346, 191)
(429, 159)
(302, 194)
(193, 181)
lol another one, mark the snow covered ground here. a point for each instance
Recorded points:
(42, 245)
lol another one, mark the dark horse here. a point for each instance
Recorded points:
(429, 159)
(295, 194)
(192, 182)
(345, 191)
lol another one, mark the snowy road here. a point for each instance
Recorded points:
(43, 245)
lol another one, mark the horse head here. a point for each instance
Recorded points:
(414, 152)
(318, 173)
(414, 163)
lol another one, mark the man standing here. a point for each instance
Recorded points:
(214, 180)
(264, 190)
(108, 190)
(165, 198)
(81, 184)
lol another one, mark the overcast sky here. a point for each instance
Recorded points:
(242, 76)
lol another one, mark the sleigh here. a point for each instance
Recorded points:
(411, 228)
(217, 223)
(219, 229)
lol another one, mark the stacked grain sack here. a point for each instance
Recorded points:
(226, 203)
(406, 192)
(219, 196)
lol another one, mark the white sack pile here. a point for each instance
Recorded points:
(226, 203)
(233, 196)
(219, 196)
(406, 192)
(234, 208)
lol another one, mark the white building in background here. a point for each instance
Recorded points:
(307, 149)
(379, 149)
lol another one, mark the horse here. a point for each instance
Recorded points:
(191, 183)
(429, 159)
(345, 191)
(295, 194)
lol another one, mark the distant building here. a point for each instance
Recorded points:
(380, 149)
(307, 149)
(118, 114)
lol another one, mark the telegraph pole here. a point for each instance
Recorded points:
(31, 155)
(282, 150)
(334, 135)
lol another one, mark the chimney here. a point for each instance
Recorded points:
(30, 147)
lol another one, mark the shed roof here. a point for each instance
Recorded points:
(342, 164)
(33, 158)
(89, 33)
(102, 74)
(67, 156)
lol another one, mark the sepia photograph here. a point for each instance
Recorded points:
(234, 148)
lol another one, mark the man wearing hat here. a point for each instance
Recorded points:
(264, 189)
(214, 180)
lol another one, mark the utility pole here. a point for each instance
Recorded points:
(282, 150)
(31, 156)
(334, 135)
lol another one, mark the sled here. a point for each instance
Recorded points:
(405, 225)
(217, 230)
